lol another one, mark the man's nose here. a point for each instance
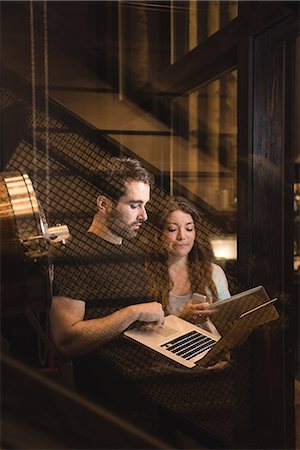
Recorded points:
(143, 215)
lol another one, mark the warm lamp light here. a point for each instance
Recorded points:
(225, 248)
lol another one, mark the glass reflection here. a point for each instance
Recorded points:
(205, 143)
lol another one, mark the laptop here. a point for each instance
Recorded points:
(189, 345)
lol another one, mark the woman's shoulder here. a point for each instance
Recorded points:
(220, 280)
(217, 270)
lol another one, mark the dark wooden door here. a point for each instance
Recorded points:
(265, 208)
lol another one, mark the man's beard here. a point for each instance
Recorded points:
(117, 226)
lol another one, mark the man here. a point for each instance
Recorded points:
(120, 213)
(100, 289)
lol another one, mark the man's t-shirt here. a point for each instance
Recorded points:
(106, 276)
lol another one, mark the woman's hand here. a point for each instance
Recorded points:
(195, 312)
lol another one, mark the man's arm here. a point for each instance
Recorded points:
(73, 336)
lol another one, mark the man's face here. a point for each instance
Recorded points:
(127, 216)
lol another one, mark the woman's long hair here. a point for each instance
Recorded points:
(199, 258)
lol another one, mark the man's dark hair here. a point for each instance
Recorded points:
(121, 171)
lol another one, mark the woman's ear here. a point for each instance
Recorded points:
(104, 204)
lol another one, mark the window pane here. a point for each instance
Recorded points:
(195, 21)
(205, 143)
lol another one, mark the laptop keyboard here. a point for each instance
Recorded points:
(189, 345)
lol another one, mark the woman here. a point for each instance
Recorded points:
(184, 267)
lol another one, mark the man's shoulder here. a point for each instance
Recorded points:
(83, 243)
(86, 248)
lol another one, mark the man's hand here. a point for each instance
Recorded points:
(149, 312)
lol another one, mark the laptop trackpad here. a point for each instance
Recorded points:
(161, 330)
(164, 330)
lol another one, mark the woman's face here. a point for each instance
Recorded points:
(178, 233)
